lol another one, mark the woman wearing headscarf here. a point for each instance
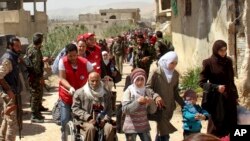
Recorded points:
(164, 81)
(108, 74)
(136, 103)
(107, 66)
(220, 93)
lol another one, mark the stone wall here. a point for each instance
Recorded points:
(193, 36)
(90, 17)
(20, 23)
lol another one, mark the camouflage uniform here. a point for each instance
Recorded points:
(35, 76)
(144, 51)
(161, 48)
(119, 52)
(9, 80)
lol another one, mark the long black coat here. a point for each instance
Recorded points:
(222, 107)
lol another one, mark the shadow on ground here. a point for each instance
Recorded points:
(32, 129)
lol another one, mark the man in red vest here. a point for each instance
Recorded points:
(73, 73)
(93, 52)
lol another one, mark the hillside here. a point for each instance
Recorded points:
(147, 10)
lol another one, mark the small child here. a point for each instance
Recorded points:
(137, 103)
(192, 114)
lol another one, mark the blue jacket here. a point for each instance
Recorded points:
(189, 122)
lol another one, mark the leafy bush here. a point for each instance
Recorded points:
(117, 29)
(60, 36)
(190, 80)
(167, 38)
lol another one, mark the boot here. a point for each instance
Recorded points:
(41, 116)
(36, 119)
(42, 108)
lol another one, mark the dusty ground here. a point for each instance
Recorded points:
(49, 131)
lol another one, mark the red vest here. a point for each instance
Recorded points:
(75, 78)
(95, 56)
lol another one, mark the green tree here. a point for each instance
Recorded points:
(117, 29)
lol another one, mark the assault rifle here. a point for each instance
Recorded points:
(19, 113)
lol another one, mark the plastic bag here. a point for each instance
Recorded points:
(56, 114)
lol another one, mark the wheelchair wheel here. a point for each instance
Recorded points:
(79, 137)
(70, 131)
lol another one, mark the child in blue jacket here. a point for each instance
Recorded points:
(192, 114)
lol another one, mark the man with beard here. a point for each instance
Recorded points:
(119, 52)
(88, 102)
(143, 54)
(81, 47)
(11, 88)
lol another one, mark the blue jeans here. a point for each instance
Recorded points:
(162, 138)
(143, 136)
(65, 117)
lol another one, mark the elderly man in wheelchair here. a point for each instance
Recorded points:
(92, 111)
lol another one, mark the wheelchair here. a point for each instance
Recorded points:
(72, 132)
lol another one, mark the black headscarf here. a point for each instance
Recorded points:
(216, 47)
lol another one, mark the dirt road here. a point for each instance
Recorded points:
(49, 131)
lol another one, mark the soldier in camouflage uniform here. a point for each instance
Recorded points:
(10, 85)
(143, 54)
(35, 76)
(118, 50)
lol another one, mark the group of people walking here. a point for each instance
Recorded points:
(218, 104)
(87, 73)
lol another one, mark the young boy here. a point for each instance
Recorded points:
(137, 103)
(192, 114)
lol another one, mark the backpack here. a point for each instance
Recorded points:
(56, 114)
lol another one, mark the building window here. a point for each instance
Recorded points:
(188, 7)
(103, 14)
(112, 17)
(165, 4)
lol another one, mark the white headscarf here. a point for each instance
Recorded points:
(106, 61)
(135, 91)
(139, 91)
(164, 62)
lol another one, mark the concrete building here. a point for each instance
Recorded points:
(96, 23)
(163, 10)
(121, 14)
(15, 20)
